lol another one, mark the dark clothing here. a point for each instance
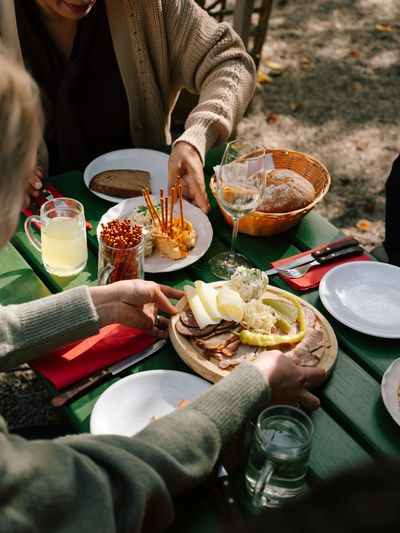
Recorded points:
(364, 499)
(392, 220)
(74, 94)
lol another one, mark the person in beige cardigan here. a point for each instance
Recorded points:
(160, 48)
(108, 483)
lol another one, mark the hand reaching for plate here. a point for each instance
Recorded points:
(185, 162)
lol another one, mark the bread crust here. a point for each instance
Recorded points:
(286, 191)
(127, 183)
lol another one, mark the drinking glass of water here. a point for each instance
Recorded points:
(63, 236)
(240, 184)
(279, 455)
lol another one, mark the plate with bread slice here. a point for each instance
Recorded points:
(125, 173)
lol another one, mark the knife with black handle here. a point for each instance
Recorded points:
(69, 394)
(318, 256)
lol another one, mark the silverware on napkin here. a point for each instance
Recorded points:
(324, 256)
(70, 393)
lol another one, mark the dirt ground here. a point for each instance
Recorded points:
(334, 94)
(336, 98)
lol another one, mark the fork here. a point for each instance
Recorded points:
(298, 272)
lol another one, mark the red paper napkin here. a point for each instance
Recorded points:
(80, 359)
(315, 274)
(42, 199)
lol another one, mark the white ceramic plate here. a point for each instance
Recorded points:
(364, 295)
(132, 158)
(129, 404)
(156, 263)
(389, 387)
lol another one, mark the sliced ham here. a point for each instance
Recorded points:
(311, 317)
(304, 353)
(243, 353)
(187, 331)
(187, 318)
(218, 341)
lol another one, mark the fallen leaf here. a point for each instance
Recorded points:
(360, 145)
(386, 28)
(363, 224)
(355, 54)
(356, 86)
(275, 68)
(295, 106)
(304, 60)
(263, 78)
(271, 117)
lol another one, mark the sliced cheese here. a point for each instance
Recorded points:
(208, 296)
(230, 303)
(203, 319)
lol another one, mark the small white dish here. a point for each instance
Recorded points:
(131, 158)
(364, 295)
(156, 263)
(390, 390)
(129, 404)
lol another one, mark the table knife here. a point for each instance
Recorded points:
(315, 256)
(70, 393)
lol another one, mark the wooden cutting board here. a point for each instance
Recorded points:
(192, 355)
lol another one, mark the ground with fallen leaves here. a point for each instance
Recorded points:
(329, 83)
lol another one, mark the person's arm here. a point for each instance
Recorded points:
(35, 328)
(112, 483)
(209, 59)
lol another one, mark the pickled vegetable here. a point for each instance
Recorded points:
(272, 339)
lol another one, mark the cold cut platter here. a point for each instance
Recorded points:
(214, 350)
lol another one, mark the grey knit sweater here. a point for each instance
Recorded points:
(108, 483)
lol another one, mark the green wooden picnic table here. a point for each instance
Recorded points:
(352, 424)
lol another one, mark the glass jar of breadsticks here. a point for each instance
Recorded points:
(121, 252)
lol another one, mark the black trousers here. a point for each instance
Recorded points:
(392, 219)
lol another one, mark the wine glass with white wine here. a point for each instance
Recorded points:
(239, 184)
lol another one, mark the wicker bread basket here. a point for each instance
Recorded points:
(266, 224)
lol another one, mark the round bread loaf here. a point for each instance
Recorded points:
(286, 191)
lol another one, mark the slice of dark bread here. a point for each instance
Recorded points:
(125, 183)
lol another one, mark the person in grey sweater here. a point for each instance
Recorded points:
(108, 483)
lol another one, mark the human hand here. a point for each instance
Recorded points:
(185, 162)
(135, 303)
(289, 383)
(35, 181)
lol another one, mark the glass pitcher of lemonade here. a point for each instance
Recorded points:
(63, 236)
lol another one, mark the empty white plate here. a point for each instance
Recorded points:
(129, 404)
(364, 295)
(390, 390)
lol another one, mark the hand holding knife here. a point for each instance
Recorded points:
(324, 256)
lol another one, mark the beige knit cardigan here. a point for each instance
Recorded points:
(161, 47)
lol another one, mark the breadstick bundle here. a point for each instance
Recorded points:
(172, 237)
